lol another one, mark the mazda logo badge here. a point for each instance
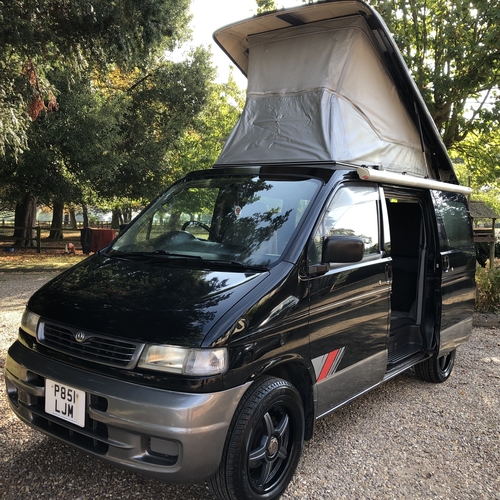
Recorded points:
(80, 336)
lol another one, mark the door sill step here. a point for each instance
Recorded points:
(402, 353)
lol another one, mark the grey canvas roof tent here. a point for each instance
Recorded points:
(326, 83)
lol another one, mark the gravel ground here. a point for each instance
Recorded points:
(405, 440)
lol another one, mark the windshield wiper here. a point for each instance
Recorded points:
(165, 256)
(235, 264)
(151, 255)
(165, 253)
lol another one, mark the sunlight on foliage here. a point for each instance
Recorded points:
(488, 289)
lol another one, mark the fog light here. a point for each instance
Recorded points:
(163, 447)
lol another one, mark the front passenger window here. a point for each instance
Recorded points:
(353, 211)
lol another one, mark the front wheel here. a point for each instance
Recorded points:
(436, 370)
(263, 445)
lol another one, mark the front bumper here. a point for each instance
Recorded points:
(147, 430)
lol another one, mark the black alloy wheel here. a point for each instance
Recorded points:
(436, 369)
(264, 443)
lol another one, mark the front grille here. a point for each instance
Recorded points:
(91, 347)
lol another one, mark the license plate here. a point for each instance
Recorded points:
(65, 402)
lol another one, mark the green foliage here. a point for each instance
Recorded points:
(106, 106)
(61, 144)
(484, 178)
(265, 6)
(488, 290)
(89, 30)
(13, 118)
(162, 106)
(202, 143)
(79, 35)
(109, 137)
(451, 49)
(477, 164)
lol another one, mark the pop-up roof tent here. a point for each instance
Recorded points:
(326, 83)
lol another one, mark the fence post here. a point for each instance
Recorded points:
(38, 239)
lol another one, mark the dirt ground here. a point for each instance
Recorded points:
(407, 439)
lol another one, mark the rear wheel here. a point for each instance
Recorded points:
(436, 369)
(263, 445)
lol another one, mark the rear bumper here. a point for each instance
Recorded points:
(169, 435)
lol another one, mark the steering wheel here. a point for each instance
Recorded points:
(200, 224)
(174, 237)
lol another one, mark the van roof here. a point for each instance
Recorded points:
(410, 143)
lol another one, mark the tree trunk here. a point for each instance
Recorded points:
(25, 220)
(85, 216)
(116, 218)
(72, 219)
(57, 221)
(127, 214)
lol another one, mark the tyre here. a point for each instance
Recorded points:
(264, 443)
(436, 370)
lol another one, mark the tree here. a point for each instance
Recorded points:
(96, 137)
(202, 143)
(162, 104)
(36, 36)
(265, 6)
(112, 139)
(452, 51)
(41, 173)
(477, 164)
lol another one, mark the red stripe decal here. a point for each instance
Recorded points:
(328, 364)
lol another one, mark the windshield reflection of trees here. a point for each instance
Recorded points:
(239, 218)
(251, 233)
(255, 223)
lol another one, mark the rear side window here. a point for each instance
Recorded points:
(455, 230)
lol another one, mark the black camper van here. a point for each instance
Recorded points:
(328, 250)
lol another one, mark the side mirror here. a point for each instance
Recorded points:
(343, 249)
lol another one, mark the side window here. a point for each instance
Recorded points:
(353, 211)
(455, 230)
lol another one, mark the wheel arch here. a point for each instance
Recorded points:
(300, 377)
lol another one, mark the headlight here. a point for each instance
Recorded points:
(29, 322)
(198, 362)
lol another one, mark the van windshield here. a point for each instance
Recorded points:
(235, 220)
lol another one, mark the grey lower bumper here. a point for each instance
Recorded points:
(169, 435)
